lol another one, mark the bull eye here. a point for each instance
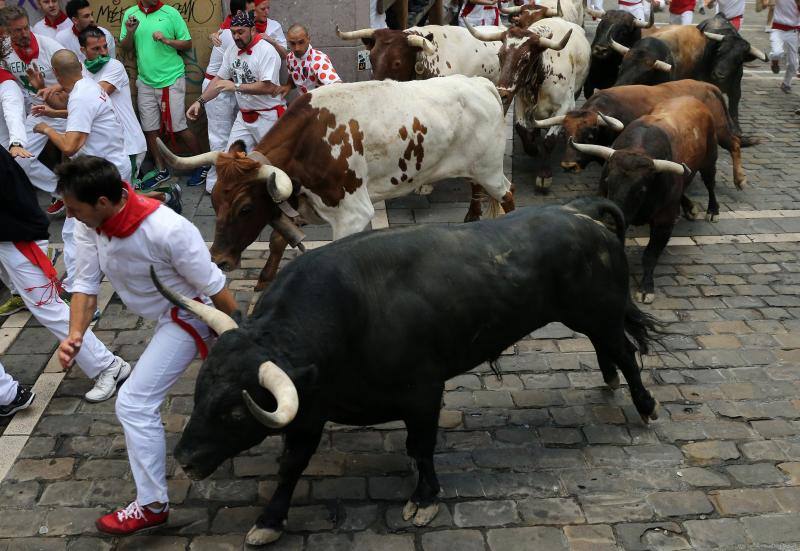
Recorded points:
(238, 413)
(245, 210)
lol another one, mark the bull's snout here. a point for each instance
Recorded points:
(571, 166)
(225, 262)
(600, 51)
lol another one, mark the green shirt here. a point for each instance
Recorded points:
(158, 65)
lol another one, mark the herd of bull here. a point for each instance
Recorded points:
(367, 330)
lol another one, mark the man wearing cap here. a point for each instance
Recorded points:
(251, 69)
(308, 67)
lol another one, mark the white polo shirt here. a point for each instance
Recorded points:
(46, 48)
(43, 29)
(312, 70)
(262, 64)
(165, 240)
(12, 112)
(115, 74)
(89, 110)
(69, 40)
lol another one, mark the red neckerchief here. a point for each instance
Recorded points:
(131, 216)
(75, 31)
(50, 290)
(249, 48)
(5, 75)
(148, 11)
(226, 23)
(261, 27)
(60, 18)
(24, 53)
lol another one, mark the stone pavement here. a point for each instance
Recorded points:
(545, 458)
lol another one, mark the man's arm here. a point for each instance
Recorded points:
(69, 143)
(81, 311)
(283, 52)
(128, 41)
(264, 88)
(224, 301)
(107, 87)
(180, 45)
(214, 88)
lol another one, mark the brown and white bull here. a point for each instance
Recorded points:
(543, 68)
(339, 149)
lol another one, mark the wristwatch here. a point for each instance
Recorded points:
(236, 86)
(14, 144)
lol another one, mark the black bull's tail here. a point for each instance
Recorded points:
(640, 326)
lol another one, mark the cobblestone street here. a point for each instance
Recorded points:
(545, 458)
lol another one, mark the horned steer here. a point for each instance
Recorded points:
(368, 329)
(543, 67)
(425, 52)
(653, 161)
(339, 149)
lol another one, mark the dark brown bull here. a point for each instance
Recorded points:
(651, 164)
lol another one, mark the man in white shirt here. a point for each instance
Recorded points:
(54, 20)
(308, 67)
(112, 77)
(783, 39)
(82, 16)
(269, 29)
(123, 235)
(251, 69)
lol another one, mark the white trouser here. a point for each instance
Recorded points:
(637, 10)
(34, 288)
(784, 43)
(684, 18)
(596, 4)
(252, 132)
(139, 401)
(67, 231)
(8, 387)
(39, 175)
(220, 112)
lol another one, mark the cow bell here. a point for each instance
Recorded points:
(289, 230)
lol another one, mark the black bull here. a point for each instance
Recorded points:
(370, 327)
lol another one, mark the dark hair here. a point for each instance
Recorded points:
(89, 178)
(91, 31)
(237, 6)
(12, 13)
(74, 6)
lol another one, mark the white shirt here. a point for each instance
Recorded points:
(786, 13)
(165, 240)
(730, 8)
(12, 114)
(218, 52)
(43, 29)
(312, 70)
(47, 47)
(263, 64)
(115, 74)
(275, 32)
(69, 40)
(89, 111)
(376, 20)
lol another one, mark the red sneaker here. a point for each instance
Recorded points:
(133, 518)
(56, 208)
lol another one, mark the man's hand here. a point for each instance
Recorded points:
(215, 39)
(131, 24)
(193, 113)
(68, 349)
(43, 111)
(35, 77)
(285, 89)
(45, 93)
(158, 36)
(17, 151)
(41, 128)
(225, 86)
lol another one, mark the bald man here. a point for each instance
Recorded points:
(309, 68)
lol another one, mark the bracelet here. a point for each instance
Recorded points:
(201, 101)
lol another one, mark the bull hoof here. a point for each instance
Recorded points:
(471, 217)
(613, 384)
(740, 184)
(712, 217)
(693, 213)
(262, 536)
(543, 184)
(409, 510)
(422, 516)
(653, 414)
(645, 298)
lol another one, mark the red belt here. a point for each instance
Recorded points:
(210, 77)
(624, 3)
(251, 116)
(198, 340)
(166, 116)
(781, 27)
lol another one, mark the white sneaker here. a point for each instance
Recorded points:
(105, 385)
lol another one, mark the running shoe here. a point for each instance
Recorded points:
(198, 176)
(173, 199)
(130, 520)
(22, 400)
(106, 384)
(56, 209)
(160, 177)
(12, 306)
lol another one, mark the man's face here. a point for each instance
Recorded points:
(262, 11)
(242, 36)
(84, 19)
(95, 47)
(298, 41)
(91, 215)
(49, 7)
(19, 32)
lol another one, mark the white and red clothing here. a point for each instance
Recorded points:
(175, 248)
(681, 12)
(732, 10)
(783, 37)
(8, 387)
(312, 70)
(115, 74)
(376, 20)
(69, 39)
(258, 62)
(50, 29)
(12, 111)
(477, 14)
(636, 8)
(220, 111)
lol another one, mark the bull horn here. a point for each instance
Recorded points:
(512, 10)
(219, 321)
(278, 383)
(614, 124)
(662, 66)
(669, 166)
(417, 41)
(552, 44)
(484, 36)
(597, 14)
(186, 163)
(714, 36)
(619, 48)
(278, 183)
(758, 54)
(592, 149)
(552, 121)
(642, 25)
(354, 35)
